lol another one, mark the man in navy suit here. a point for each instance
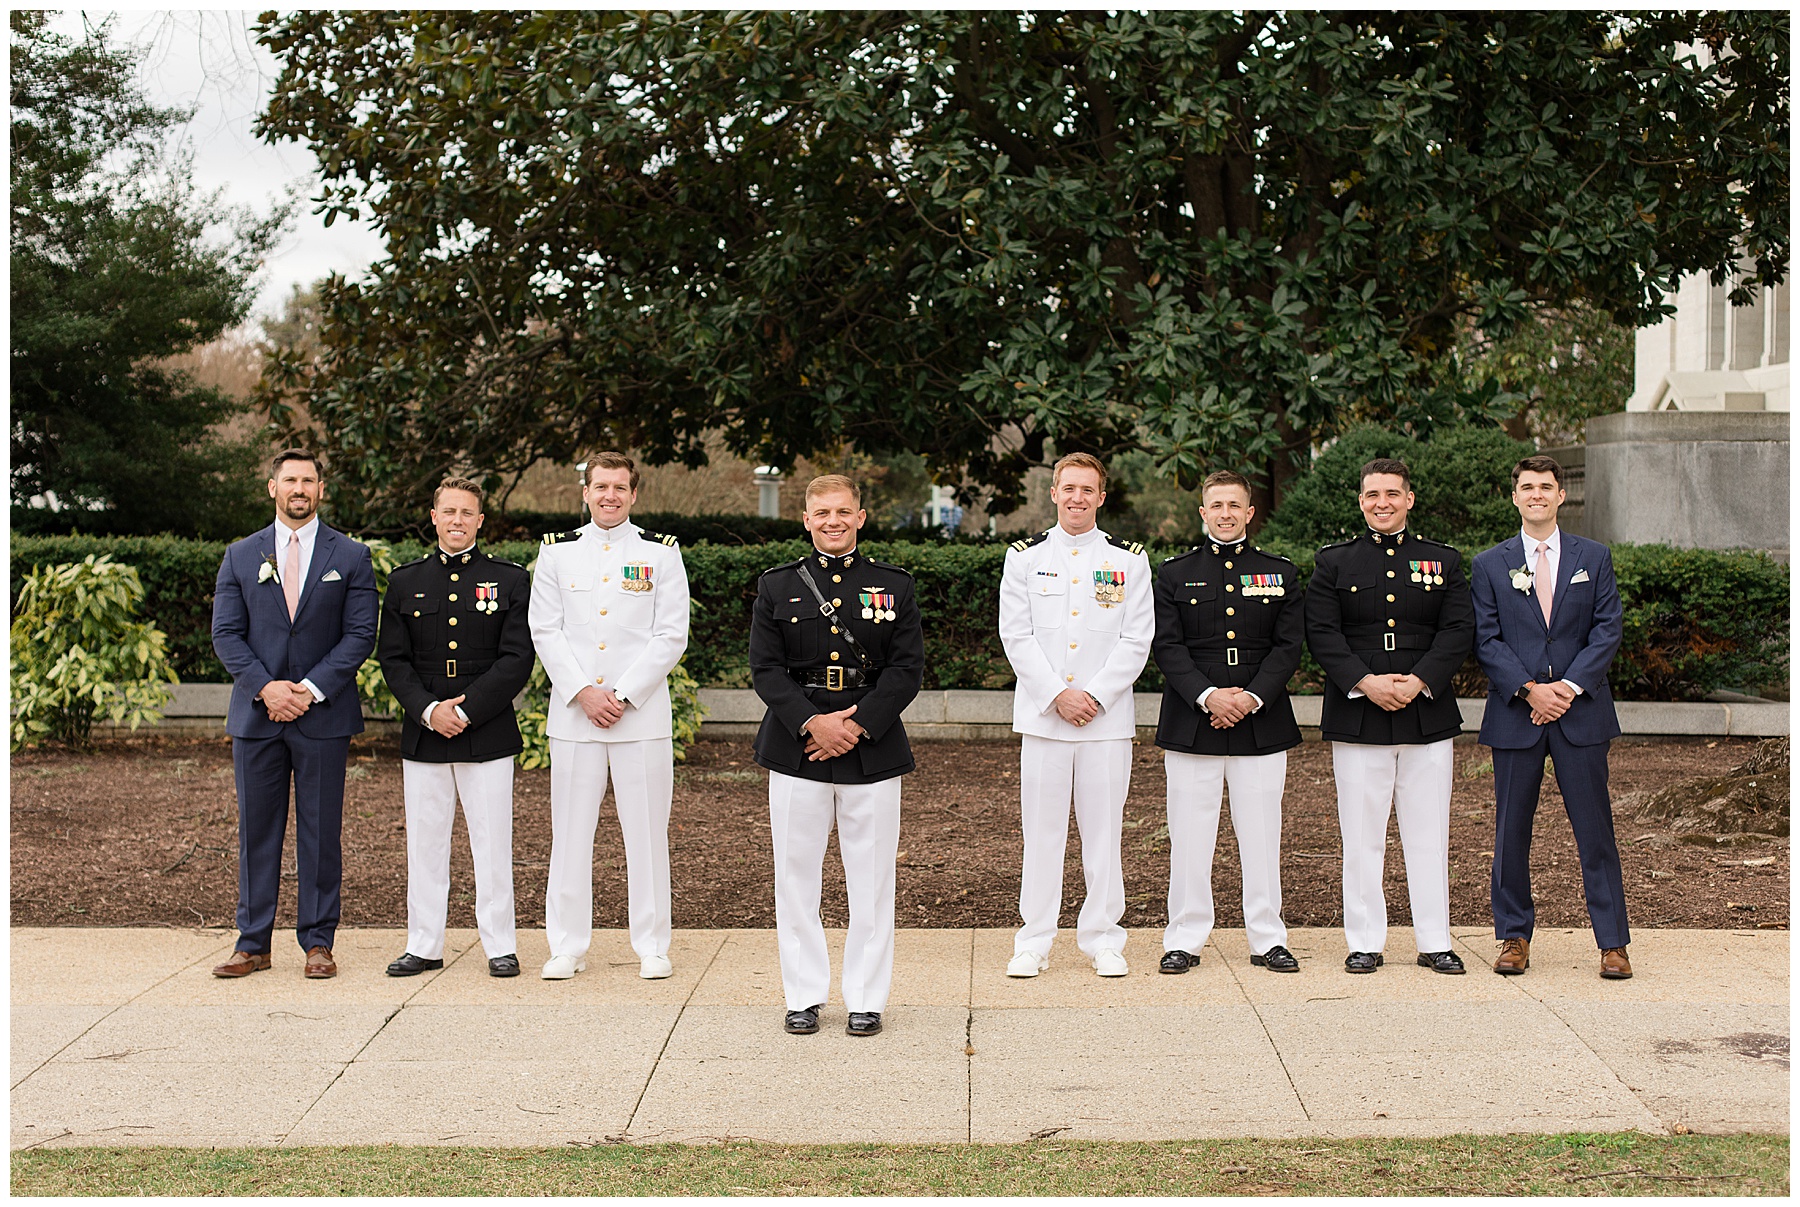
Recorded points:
(1547, 624)
(294, 614)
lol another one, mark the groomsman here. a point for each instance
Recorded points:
(455, 649)
(1389, 619)
(1076, 620)
(837, 652)
(609, 617)
(1547, 622)
(1229, 626)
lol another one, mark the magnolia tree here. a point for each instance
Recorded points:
(1216, 236)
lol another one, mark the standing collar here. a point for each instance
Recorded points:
(1389, 538)
(1062, 536)
(462, 559)
(840, 562)
(1232, 547)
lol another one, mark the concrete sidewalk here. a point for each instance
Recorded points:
(123, 1037)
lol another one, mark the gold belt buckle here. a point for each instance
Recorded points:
(834, 678)
(1231, 656)
(1387, 641)
(450, 668)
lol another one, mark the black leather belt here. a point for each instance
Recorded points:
(833, 678)
(1373, 643)
(467, 668)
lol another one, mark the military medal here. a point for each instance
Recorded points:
(877, 605)
(637, 577)
(1109, 587)
(487, 597)
(1262, 584)
(1428, 573)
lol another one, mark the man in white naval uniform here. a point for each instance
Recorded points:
(609, 617)
(1076, 620)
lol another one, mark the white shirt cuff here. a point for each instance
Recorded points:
(1574, 686)
(1425, 690)
(425, 717)
(1255, 697)
(1203, 695)
(1354, 694)
(317, 695)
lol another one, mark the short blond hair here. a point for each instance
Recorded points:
(1226, 477)
(455, 483)
(609, 460)
(1078, 461)
(826, 483)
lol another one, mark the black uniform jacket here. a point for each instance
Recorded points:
(1227, 616)
(788, 633)
(1389, 605)
(455, 624)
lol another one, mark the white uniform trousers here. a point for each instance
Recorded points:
(1196, 786)
(801, 814)
(1097, 774)
(643, 780)
(431, 791)
(1415, 782)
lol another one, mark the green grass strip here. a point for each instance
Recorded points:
(1577, 1164)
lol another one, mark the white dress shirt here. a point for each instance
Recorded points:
(1552, 547)
(308, 536)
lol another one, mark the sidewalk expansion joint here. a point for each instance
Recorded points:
(969, 1050)
(655, 1064)
(1280, 1056)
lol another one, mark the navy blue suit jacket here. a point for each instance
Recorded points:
(331, 633)
(1515, 646)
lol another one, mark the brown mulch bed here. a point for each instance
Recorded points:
(143, 832)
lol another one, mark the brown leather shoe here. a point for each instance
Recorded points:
(1515, 957)
(1615, 965)
(243, 963)
(319, 964)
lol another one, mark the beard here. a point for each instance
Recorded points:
(298, 507)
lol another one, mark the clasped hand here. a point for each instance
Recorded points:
(444, 719)
(286, 700)
(832, 733)
(1229, 705)
(1549, 701)
(1391, 692)
(602, 707)
(1075, 707)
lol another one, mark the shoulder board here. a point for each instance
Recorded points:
(1184, 553)
(1274, 557)
(1136, 547)
(1349, 540)
(417, 561)
(1028, 542)
(891, 566)
(1425, 540)
(556, 538)
(500, 561)
(781, 566)
(660, 537)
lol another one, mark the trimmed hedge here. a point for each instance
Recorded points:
(1695, 620)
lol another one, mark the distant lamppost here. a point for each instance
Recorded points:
(768, 492)
(942, 511)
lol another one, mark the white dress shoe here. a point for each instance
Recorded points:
(655, 968)
(1027, 963)
(1110, 963)
(561, 968)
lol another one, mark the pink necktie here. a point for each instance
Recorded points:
(1544, 580)
(290, 576)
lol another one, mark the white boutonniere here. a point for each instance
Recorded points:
(1522, 579)
(267, 571)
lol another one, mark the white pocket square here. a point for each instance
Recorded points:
(333, 576)
(1580, 576)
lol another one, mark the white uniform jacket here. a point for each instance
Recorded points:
(1067, 621)
(594, 625)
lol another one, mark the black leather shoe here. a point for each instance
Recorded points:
(503, 966)
(1445, 962)
(1363, 961)
(1279, 959)
(863, 1022)
(1177, 961)
(803, 1022)
(412, 965)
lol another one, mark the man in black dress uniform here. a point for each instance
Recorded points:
(1229, 628)
(455, 648)
(1389, 618)
(836, 676)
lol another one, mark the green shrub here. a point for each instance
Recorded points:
(1695, 620)
(79, 653)
(1462, 479)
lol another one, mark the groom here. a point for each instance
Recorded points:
(1547, 624)
(293, 617)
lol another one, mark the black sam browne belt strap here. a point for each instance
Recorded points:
(837, 626)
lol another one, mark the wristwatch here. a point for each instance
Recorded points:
(1524, 693)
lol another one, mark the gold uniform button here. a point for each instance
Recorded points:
(453, 578)
(1231, 611)
(837, 603)
(1230, 587)
(606, 578)
(452, 597)
(1390, 574)
(1076, 612)
(1069, 678)
(602, 645)
(1073, 644)
(415, 613)
(1390, 553)
(1390, 599)
(1195, 601)
(1390, 624)
(606, 548)
(602, 611)
(793, 620)
(1228, 565)
(1074, 553)
(834, 656)
(1230, 635)
(453, 620)
(837, 578)
(1353, 590)
(600, 679)
(452, 645)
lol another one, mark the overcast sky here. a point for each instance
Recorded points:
(210, 59)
